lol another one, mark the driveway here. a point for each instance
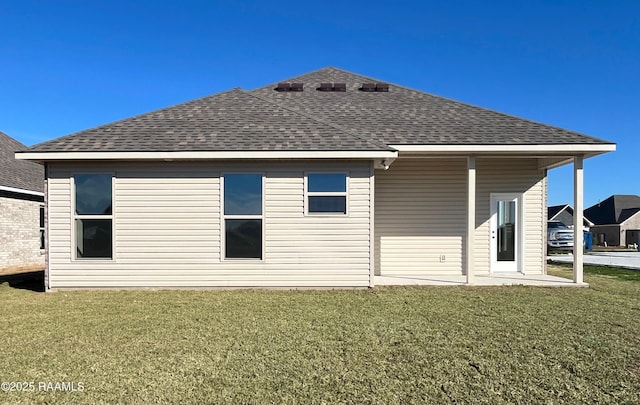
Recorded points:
(629, 260)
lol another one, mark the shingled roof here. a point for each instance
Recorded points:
(18, 174)
(353, 120)
(555, 210)
(403, 116)
(230, 121)
(614, 210)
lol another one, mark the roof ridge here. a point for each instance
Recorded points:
(11, 139)
(310, 73)
(310, 116)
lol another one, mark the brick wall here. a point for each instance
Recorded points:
(20, 234)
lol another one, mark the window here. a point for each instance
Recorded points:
(42, 227)
(243, 215)
(93, 216)
(327, 193)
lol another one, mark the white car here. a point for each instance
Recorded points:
(559, 236)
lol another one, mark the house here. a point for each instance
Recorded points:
(617, 220)
(328, 179)
(564, 214)
(21, 209)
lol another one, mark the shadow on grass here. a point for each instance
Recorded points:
(32, 281)
(615, 272)
(620, 274)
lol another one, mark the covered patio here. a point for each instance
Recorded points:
(495, 279)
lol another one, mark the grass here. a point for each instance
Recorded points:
(386, 345)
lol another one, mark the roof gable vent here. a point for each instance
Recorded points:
(283, 87)
(332, 87)
(289, 87)
(339, 86)
(368, 87)
(377, 87)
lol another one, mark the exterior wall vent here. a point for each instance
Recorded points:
(332, 87)
(289, 87)
(368, 87)
(339, 87)
(377, 87)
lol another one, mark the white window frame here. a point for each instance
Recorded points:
(74, 217)
(224, 217)
(308, 194)
(42, 234)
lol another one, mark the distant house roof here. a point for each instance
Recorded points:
(18, 175)
(614, 210)
(554, 211)
(348, 119)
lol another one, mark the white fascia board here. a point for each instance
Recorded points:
(44, 156)
(471, 149)
(561, 211)
(21, 191)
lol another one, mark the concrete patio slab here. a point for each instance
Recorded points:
(490, 280)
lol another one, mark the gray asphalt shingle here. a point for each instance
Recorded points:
(406, 116)
(18, 174)
(311, 120)
(614, 210)
(230, 121)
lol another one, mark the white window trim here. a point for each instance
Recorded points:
(223, 217)
(74, 216)
(42, 234)
(308, 194)
(520, 246)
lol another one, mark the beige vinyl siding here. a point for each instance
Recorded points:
(420, 207)
(420, 214)
(168, 228)
(502, 175)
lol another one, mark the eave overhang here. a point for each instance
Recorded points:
(21, 191)
(588, 150)
(204, 155)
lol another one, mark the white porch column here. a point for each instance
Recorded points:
(471, 217)
(578, 204)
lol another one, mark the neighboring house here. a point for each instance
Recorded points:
(617, 220)
(21, 209)
(564, 214)
(323, 180)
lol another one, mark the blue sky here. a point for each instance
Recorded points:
(71, 65)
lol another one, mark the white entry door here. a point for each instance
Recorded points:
(506, 232)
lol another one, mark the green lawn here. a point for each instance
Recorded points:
(387, 345)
